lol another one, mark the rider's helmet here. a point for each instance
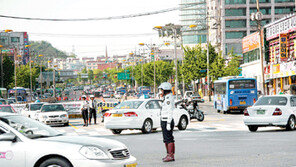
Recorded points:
(165, 86)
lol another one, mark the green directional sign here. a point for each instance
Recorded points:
(123, 76)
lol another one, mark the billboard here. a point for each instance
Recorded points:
(251, 42)
(283, 47)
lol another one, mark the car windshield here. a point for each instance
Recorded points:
(276, 100)
(51, 108)
(29, 127)
(34, 107)
(6, 109)
(2, 101)
(129, 105)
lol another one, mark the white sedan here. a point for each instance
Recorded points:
(27, 143)
(31, 110)
(53, 114)
(142, 114)
(276, 110)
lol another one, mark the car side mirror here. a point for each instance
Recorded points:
(8, 137)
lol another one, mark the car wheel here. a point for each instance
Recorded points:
(147, 126)
(253, 128)
(183, 123)
(291, 123)
(55, 162)
(218, 111)
(116, 131)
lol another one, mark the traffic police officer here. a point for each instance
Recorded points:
(84, 110)
(92, 109)
(167, 120)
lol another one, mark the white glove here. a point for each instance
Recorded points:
(168, 127)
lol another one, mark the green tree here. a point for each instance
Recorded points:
(23, 76)
(45, 48)
(90, 74)
(232, 68)
(8, 67)
(217, 68)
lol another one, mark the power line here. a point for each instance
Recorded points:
(91, 35)
(102, 18)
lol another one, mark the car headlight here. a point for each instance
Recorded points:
(64, 116)
(92, 152)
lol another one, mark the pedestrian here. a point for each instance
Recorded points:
(84, 110)
(92, 109)
(167, 120)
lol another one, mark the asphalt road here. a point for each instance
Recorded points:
(220, 140)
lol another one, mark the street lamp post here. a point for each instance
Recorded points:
(41, 76)
(2, 73)
(30, 64)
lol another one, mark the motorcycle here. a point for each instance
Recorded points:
(192, 108)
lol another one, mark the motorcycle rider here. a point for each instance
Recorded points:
(84, 110)
(92, 109)
(167, 121)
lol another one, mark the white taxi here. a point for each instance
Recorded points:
(275, 110)
(53, 114)
(141, 114)
(28, 143)
(31, 110)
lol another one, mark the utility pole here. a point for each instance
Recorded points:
(2, 73)
(208, 55)
(258, 18)
(15, 90)
(54, 83)
(30, 63)
(176, 61)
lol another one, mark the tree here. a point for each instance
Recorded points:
(232, 68)
(90, 74)
(217, 68)
(8, 67)
(45, 48)
(23, 76)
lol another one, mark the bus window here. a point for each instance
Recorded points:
(220, 88)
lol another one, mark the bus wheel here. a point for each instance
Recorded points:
(218, 111)
(225, 112)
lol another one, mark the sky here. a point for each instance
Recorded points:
(89, 46)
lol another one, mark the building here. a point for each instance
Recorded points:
(194, 12)
(280, 72)
(251, 66)
(236, 23)
(91, 65)
(103, 65)
(15, 42)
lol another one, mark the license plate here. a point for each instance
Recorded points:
(131, 165)
(116, 115)
(242, 102)
(260, 112)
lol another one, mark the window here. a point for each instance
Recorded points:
(293, 101)
(251, 56)
(195, 39)
(260, 1)
(283, 10)
(264, 11)
(235, 23)
(152, 105)
(220, 88)
(263, 22)
(2, 131)
(242, 84)
(235, 35)
(15, 39)
(231, 2)
(233, 47)
(4, 40)
(282, 1)
(272, 101)
(235, 12)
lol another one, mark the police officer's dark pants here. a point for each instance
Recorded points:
(85, 116)
(167, 135)
(92, 113)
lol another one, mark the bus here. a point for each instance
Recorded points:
(234, 94)
(20, 92)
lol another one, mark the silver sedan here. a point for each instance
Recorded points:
(27, 143)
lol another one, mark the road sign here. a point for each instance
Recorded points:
(202, 71)
(123, 76)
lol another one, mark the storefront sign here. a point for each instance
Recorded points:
(251, 42)
(281, 27)
(294, 48)
(276, 69)
(283, 47)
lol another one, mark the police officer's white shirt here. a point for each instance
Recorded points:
(92, 104)
(85, 105)
(168, 106)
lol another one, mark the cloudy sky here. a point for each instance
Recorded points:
(89, 45)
